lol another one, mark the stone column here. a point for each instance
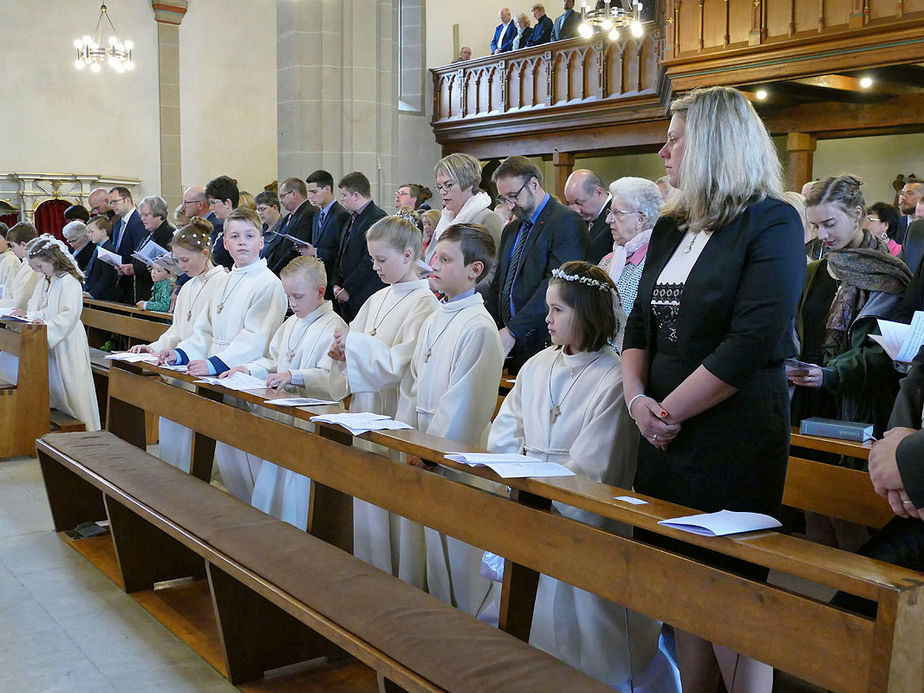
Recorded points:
(800, 151)
(337, 89)
(168, 17)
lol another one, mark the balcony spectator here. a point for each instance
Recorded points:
(524, 31)
(566, 26)
(503, 33)
(465, 53)
(542, 32)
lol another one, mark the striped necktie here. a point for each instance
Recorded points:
(506, 294)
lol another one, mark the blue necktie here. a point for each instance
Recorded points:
(507, 309)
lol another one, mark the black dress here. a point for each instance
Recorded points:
(735, 316)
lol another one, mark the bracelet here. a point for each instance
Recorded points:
(337, 292)
(632, 401)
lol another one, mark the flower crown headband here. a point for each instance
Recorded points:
(589, 281)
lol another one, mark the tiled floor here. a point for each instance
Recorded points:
(64, 626)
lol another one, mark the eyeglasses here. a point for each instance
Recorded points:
(402, 193)
(511, 199)
(286, 194)
(873, 219)
(192, 202)
(616, 213)
(114, 200)
(445, 187)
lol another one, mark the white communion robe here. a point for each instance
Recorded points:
(453, 394)
(299, 346)
(379, 348)
(9, 266)
(595, 437)
(58, 302)
(246, 309)
(175, 441)
(19, 290)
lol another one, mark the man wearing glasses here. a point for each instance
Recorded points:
(542, 235)
(127, 234)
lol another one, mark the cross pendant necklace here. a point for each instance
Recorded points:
(555, 411)
(221, 302)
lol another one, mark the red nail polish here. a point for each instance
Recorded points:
(663, 414)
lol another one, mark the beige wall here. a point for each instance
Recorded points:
(56, 119)
(228, 92)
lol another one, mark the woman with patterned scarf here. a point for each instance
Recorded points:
(860, 282)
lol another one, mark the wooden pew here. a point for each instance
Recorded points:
(24, 407)
(822, 644)
(103, 318)
(279, 594)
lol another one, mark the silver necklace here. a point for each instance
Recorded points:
(556, 406)
(376, 325)
(432, 344)
(198, 294)
(689, 248)
(221, 301)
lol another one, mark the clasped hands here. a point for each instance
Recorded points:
(654, 422)
(884, 473)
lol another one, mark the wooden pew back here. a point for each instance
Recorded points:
(811, 639)
(24, 408)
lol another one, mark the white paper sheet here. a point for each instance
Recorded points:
(631, 500)
(360, 422)
(900, 341)
(132, 358)
(236, 381)
(510, 465)
(180, 368)
(722, 523)
(299, 401)
(109, 257)
(149, 253)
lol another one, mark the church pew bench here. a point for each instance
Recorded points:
(793, 632)
(837, 446)
(101, 319)
(24, 406)
(280, 595)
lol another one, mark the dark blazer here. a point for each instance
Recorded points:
(566, 26)
(524, 39)
(274, 246)
(907, 413)
(745, 288)
(129, 241)
(354, 264)
(601, 236)
(101, 280)
(162, 235)
(507, 43)
(542, 32)
(84, 255)
(559, 235)
(327, 238)
(913, 244)
(914, 296)
(297, 224)
(220, 254)
(904, 221)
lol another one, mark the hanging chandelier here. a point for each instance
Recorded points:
(609, 17)
(90, 52)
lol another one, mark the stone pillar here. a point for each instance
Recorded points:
(168, 17)
(337, 89)
(800, 150)
(564, 165)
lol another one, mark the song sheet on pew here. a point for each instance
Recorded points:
(236, 381)
(722, 523)
(299, 402)
(510, 465)
(129, 357)
(361, 422)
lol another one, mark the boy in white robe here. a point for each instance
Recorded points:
(297, 361)
(9, 262)
(18, 288)
(57, 302)
(246, 309)
(374, 354)
(567, 406)
(451, 391)
(190, 247)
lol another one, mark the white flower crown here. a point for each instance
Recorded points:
(589, 281)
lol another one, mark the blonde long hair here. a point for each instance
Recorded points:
(729, 160)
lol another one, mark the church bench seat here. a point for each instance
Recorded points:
(280, 595)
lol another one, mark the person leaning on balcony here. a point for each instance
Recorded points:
(542, 32)
(524, 31)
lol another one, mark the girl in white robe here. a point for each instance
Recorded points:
(246, 309)
(297, 362)
(9, 262)
(567, 406)
(18, 287)
(190, 248)
(450, 391)
(57, 302)
(374, 354)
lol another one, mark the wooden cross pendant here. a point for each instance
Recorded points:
(427, 356)
(555, 413)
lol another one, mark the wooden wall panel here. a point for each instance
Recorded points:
(807, 16)
(739, 22)
(689, 26)
(714, 23)
(779, 15)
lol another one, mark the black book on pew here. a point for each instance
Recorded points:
(832, 428)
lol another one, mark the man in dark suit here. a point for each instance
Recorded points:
(908, 199)
(154, 214)
(355, 279)
(127, 233)
(329, 223)
(223, 196)
(566, 26)
(542, 235)
(77, 236)
(586, 195)
(268, 210)
(542, 32)
(503, 33)
(299, 218)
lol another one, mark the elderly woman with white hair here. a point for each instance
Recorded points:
(154, 215)
(77, 236)
(633, 212)
(457, 179)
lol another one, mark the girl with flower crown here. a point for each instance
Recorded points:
(57, 303)
(567, 406)
(191, 251)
